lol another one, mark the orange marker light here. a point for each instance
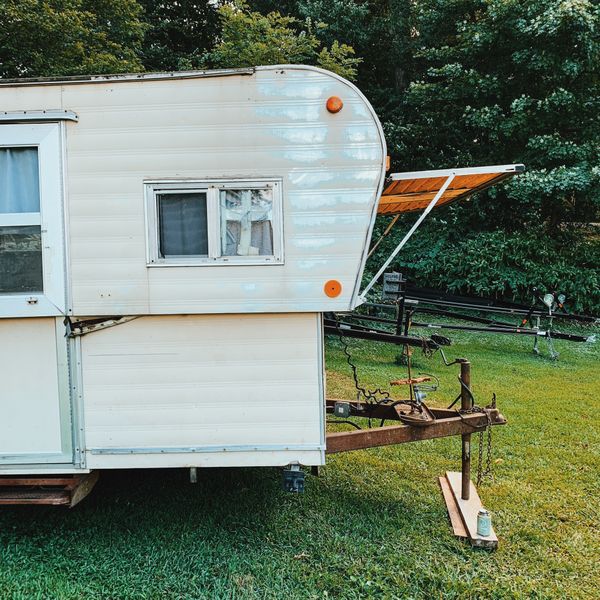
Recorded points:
(334, 104)
(332, 288)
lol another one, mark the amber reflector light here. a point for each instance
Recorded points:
(333, 288)
(334, 104)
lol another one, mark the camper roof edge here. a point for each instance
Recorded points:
(118, 77)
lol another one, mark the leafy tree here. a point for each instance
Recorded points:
(512, 81)
(505, 81)
(67, 37)
(250, 38)
(179, 33)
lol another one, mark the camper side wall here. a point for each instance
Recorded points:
(204, 390)
(158, 174)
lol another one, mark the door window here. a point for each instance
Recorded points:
(31, 221)
(20, 230)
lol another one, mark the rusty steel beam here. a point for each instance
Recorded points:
(346, 441)
(373, 411)
(384, 411)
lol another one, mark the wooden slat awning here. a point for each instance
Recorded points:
(408, 192)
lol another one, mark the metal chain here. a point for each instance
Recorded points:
(480, 460)
(481, 473)
(372, 397)
(488, 464)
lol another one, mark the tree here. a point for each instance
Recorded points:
(499, 81)
(179, 33)
(249, 38)
(522, 80)
(69, 37)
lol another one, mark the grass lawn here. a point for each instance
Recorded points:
(372, 526)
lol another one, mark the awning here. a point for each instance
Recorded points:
(424, 190)
(408, 192)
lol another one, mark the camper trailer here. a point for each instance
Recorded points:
(168, 246)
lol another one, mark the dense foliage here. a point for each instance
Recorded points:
(69, 37)
(250, 38)
(179, 34)
(455, 83)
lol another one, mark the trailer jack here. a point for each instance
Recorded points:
(420, 422)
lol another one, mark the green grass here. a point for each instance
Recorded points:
(373, 526)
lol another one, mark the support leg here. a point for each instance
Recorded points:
(466, 403)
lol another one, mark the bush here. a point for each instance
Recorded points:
(500, 264)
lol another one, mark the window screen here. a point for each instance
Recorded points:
(183, 224)
(247, 222)
(20, 240)
(20, 259)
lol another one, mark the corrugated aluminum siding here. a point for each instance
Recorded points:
(157, 388)
(272, 123)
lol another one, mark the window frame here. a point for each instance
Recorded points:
(48, 139)
(212, 188)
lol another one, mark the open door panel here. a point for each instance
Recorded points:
(413, 191)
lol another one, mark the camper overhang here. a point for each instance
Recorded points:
(424, 190)
(413, 191)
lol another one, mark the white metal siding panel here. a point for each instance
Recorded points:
(270, 124)
(210, 459)
(31, 98)
(30, 427)
(196, 381)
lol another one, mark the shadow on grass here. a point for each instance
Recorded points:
(242, 504)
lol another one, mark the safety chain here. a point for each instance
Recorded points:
(481, 473)
(372, 397)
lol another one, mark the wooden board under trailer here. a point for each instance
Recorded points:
(60, 490)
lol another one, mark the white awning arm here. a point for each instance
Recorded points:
(407, 237)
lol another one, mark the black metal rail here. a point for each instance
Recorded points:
(493, 327)
(353, 330)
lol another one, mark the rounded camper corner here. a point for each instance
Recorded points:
(334, 104)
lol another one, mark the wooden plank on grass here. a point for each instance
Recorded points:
(468, 510)
(87, 482)
(458, 526)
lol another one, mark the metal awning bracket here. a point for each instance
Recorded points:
(407, 237)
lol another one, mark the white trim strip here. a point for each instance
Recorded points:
(208, 449)
(20, 219)
(499, 169)
(18, 116)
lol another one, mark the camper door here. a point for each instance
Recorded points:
(35, 424)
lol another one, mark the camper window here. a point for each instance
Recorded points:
(246, 222)
(182, 224)
(20, 230)
(214, 222)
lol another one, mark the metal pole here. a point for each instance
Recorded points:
(385, 233)
(407, 237)
(466, 403)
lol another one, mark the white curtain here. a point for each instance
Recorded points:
(19, 180)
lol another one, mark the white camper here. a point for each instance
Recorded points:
(168, 246)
